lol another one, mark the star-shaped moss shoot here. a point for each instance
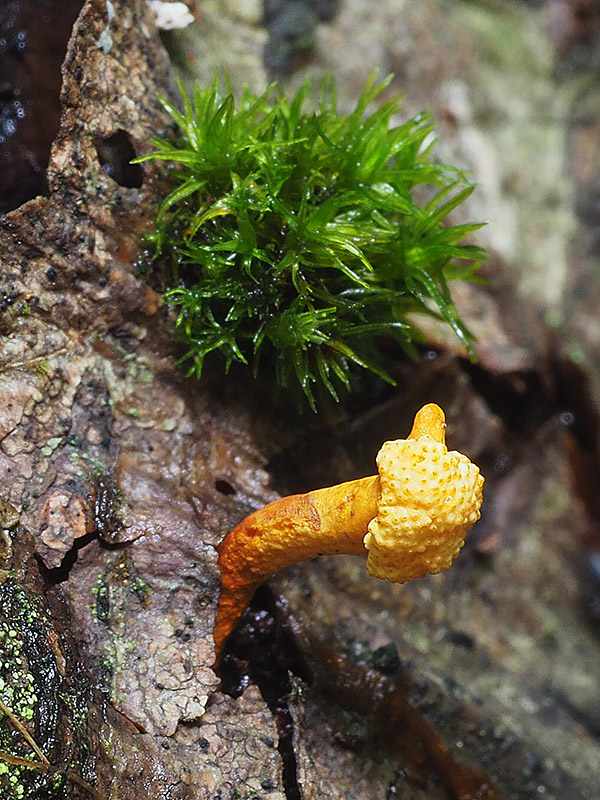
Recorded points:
(297, 236)
(411, 519)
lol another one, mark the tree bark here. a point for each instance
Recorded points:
(119, 476)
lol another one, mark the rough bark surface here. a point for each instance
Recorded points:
(110, 463)
(118, 477)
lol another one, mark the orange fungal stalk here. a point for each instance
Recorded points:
(411, 519)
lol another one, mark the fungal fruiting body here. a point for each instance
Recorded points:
(411, 519)
(429, 500)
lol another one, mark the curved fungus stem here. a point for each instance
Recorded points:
(411, 519)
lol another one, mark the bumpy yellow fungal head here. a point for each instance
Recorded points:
(430, 498)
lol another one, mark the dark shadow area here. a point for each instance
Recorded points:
(291, 27)
(33, 42)
(54, 575)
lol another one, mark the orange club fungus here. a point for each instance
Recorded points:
(411, 519)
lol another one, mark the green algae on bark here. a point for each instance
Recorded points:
(33, 687)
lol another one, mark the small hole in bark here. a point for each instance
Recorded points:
(115, 153)
(224, 487)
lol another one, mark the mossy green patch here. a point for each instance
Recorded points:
(296, 236)
(34, 688)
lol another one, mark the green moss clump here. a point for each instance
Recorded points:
(294, 237)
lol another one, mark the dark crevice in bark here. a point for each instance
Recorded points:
(260, 651)
(54, 575)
